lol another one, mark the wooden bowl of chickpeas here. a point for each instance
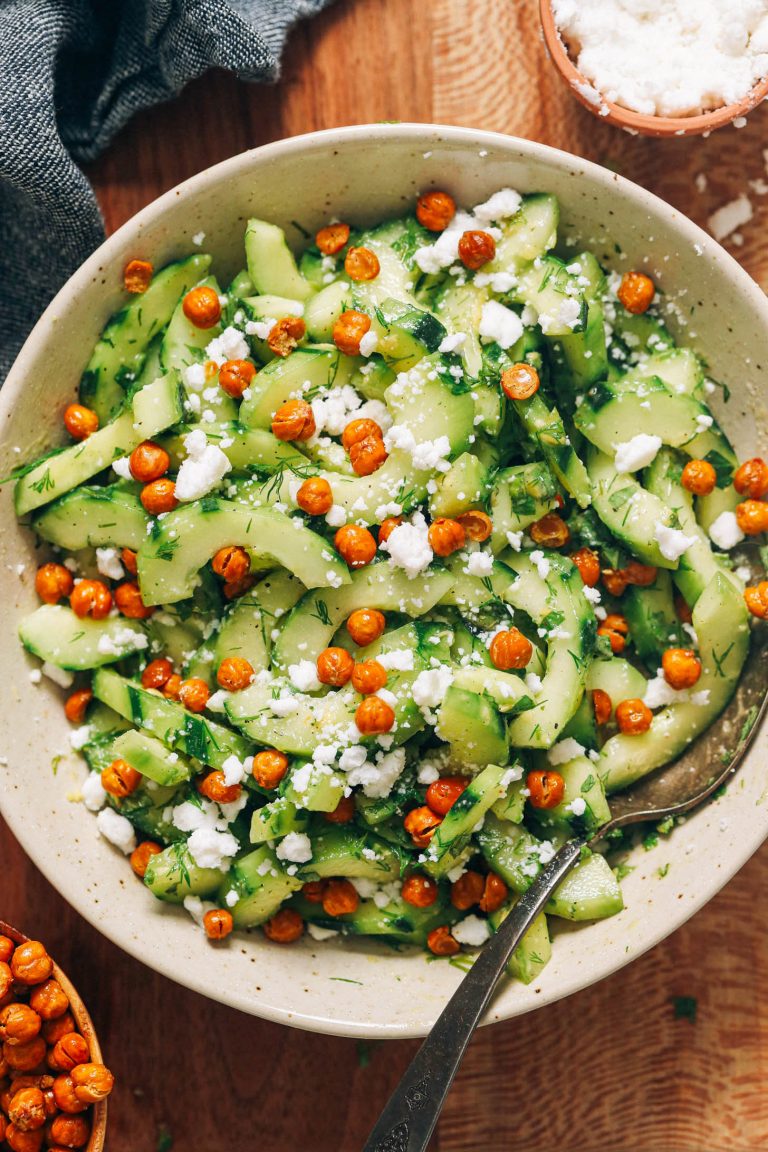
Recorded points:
(53, 1082)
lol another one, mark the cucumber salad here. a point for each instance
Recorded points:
(375, 573)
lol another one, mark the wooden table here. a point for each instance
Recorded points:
(613, 1069)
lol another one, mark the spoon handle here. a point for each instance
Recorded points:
(411, 1113)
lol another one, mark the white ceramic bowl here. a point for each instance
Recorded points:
(362, 174)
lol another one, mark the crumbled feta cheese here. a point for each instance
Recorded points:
(94, 796)
(500, 324)
(296, 847)
(35, 676)
(194, 377)
(471, 931)
(217, 700)
(79, 737)
(202, 469)
(427, 455)
(401, 660)
(564, 751)
(445, 251)
(108, 563)
(59, 676)
(533, 682)
(637, 453)
(230, 345)
(121, 641)
(212, 849)
(334, 409)
(500, 206)
(451, 343)
(369, 343)
(731, 216)
(336, 517)
(577, 806)
(594, 595)
(198, 238)
(259, 328)
(231, 898)
(542, 565)
(378, 779)
(725, 531)
(427, 773)
(430, 686)
(234, 771)
(515, 540)
(122, 467)
(117, 830)
(375, 410)
(283, 705)
(480, 564)
(408, 546)
(672, 542)
(319, 933)
(303, 676)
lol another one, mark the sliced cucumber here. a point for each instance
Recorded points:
(261, 884)
(473, 727)
(172, 874)
(150, 757)
(533, 952)
(452, 835)
(271, 264)
(349, 851)
(91, 516)
(54, 633)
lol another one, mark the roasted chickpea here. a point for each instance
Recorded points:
(419, 890)
(367, 456)
(238, 588)
(214, 787)
(588, 564)
(636, 292)
(218, 923)
(756, 599)
(194, 694)
(477, 525)
(148, 461)
(421, 825)
(643, 575)
(92, 1082)
(70, 1050)
(234, 674)
(374, 716)
(284, 927)
(361, 264)
(615, 581)
(334, 667)
(129, 602)
(159, 496)
(157, 673)
(340, 898)
(235, 376)
(269, 767)
(332, 238)
(129, 561)
(510, 649)
(358, 430)
(551, 531)
(64, 1095)
(172, 686)
(27, 1109)
(615, 627)
(365, 625)
(602, 705)
(751, 479)
(495, 893)
(141, 856)
(25, 1057)
(633, 717)
(441, 943)
(30, 963)
(91, 598)
(202, 307)
(294, 420)
(70, 1131)
(285, 335)
(53, 1030)
(349, 330)
(137, 276)
(231, 563)
(19, 1024)
(546, 788)
(120, 779)
(435, 210)
(699, 477)
(355, 544)
(387, 527)
(520, 381)
(681, 666)
(313, 891)
(315, 496)
(80, 422)
(476, 248)
(53, 582)
(752, 517)
(442, 794)
(368, 676)
(467, 890)
(76, 705)
(20, 1141)
(342, 813)
(446, 536)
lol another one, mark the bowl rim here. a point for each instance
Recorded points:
(423, 135)
(638, 123)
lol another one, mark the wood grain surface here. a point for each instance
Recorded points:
(615, 1068)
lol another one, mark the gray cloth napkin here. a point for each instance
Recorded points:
(73, 72)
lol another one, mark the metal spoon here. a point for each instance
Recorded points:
(412, 1111)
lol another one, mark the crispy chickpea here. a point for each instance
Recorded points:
(20, 1141)
(682, 609)
(194, 694)
(141, 856)
(202, 307)
(643, 575)
(374, 716)
(30, 963)
(365, 625)
(699, 477)
(157, 673)
(751, 479)
(367, 456)
(361, 264)
(435, 210)
(546, 788)
(387, 527)
(358, 430)
(419, 890)
(235, 376)
(120, 779)
(25, 1057)
(285, 335)
(19, 1024)
(159, 496)
(588, 564)
(636, 292)
(442, 794)
(477, 525)
(284, 927)
(92, 1082)
(421, 824)
(752, 517)
(70, 1050)
(467, 890)
(340, 898)
(91, 598)
(615, 627)
(80, 422)
(218, 923)
(129, 602)
(6, 949)
(332, 238)
(53, 1030)
(234, 674)
(349, 330)
(633, 717)
(681, 666)
(171, 687)
(441, 943)
(355, 544)
(231, 563)
(64, 1095)
(520, 381)
(756, 599)
(334, 667)
(294, 420)
(495, 893)
(315, 497)
(129, 561)
(148, 461)
(476, 248)
(602, 706)
(446, 536)
(70, 1131)
(27, 1109)
(238, 588)
(137, 276)
(313, 891)
(76, 705)
(269, 767)
(214, 787)
(510, 649)
(551, 531)
(53, 582)
(368, 676)
(615, 581)
(342, 813)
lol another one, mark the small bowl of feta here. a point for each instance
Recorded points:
(661, 67)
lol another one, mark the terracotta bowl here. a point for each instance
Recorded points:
(636, 122)
(86, 1029)
(362, 174)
